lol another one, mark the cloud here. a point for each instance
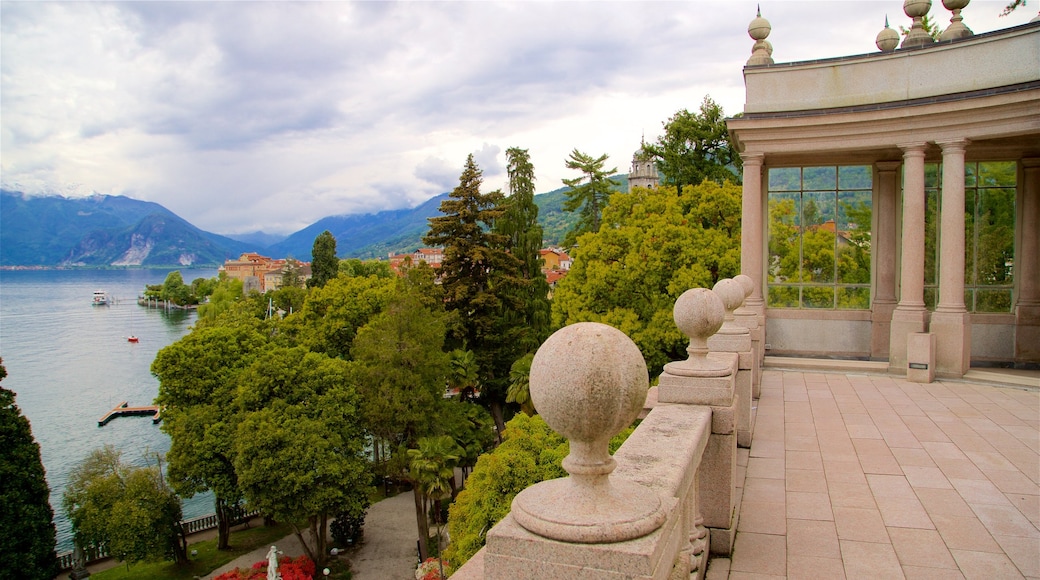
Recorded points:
(241, 116)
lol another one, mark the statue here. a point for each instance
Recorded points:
(272, 564)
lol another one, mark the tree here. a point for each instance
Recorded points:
(324, 263)
(1012, 5)
(300, 446)
(26, 520)
(934, 29)
(654, 246)
(695, 147)
(402, 368)
(520, 384)
(226, 292)
(331, 315)
(519, 224)
(591, 196)
(130, 509)
(197, 387)
(431, 467)
(482, 283)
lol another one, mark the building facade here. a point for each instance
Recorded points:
(896, 193)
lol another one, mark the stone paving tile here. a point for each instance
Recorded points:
(869, 560)
(811, 568)
(985, 565)
(860, 524)
(759, 553)
(875, 477)
(921, 548)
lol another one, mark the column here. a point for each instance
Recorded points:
(1027, 263)
(950, 322)
(752, 234)
(884, 240)
(910, 314)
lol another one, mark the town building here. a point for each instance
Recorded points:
(432, 256)
(924, 159)
(643, 172)
(260, 273)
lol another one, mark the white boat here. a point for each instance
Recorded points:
(101, 298)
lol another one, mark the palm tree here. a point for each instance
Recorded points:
(462, 372)
(431, 468)
(520, 384)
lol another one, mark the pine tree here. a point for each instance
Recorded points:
(26, 520)
(519, 223)
(481, 282)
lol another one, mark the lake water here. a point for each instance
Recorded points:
(69, 363)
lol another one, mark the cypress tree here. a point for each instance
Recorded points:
(324, 263)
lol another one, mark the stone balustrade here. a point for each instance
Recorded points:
(667, 498)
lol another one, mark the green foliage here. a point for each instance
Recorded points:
(481, 282)
(128, 508)
(26, 520)
(520, 384)
(299, 446)
(531, 452)
(176, 291)
(324, 263)
(197, 388)
(226, 291)
(332, 314)
(934, 29)
(356, 267)
(695, 147)
(472, 428)
(653, 246)
(588, 192)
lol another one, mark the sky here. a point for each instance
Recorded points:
(250, 116)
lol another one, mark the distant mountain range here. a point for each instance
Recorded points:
(113, 231)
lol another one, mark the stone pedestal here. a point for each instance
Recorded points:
(952, 332)
(904, 323)
(718, 471)
(739, 344)
(1027, 335)
(920, 354)
(749, 320)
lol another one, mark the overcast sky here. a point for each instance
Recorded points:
(245, 116)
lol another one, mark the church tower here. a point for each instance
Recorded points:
(644, 172)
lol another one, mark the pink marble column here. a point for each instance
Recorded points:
(1027, 264)
(950, 322)
(910, 314)
(884, 244)
(751, 230)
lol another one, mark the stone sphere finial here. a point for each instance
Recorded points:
(762, 50)
(956, 29)
(699, 313)
(918, 36)
(746, 283)
(888, 39)
(589, 381)
(732, 295)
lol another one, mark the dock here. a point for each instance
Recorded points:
(123, 410)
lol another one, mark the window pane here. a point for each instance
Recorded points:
(998, 300)
(819, 178)
(854, 177)
(931, 297)
(783, 237)
(997, 173)
(971, 171)
(818, 237)
(853, 298)
(931, 237)
(996, 237)
(931, 175)
(783, 297)
(853, 243)
(817, 297)
(785, 178)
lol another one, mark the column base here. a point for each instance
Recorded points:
(1027, 334)
(881, 328)
(952, 332)
(904, 322)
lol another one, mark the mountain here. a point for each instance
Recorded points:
(258, 240)
(103, 230)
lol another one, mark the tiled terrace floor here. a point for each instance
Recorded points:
(857, 476)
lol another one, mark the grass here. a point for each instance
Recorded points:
(207, 560)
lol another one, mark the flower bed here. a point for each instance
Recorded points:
(301, 568)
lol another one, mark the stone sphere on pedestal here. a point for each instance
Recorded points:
(589, 381)
(698, 313)
(746, 283)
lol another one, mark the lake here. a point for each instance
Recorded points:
(69, 363)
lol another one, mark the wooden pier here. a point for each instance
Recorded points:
(122, 410)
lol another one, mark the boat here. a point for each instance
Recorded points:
(132, 337)
(101, 298)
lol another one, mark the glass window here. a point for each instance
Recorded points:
(819, 237)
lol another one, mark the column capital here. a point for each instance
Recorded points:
(953, 145)
(887, 165)
(1031, 162)
(917, 147)
(753, 158)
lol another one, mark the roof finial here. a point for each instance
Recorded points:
(888, 39)
(759, 30)
(758, 7)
